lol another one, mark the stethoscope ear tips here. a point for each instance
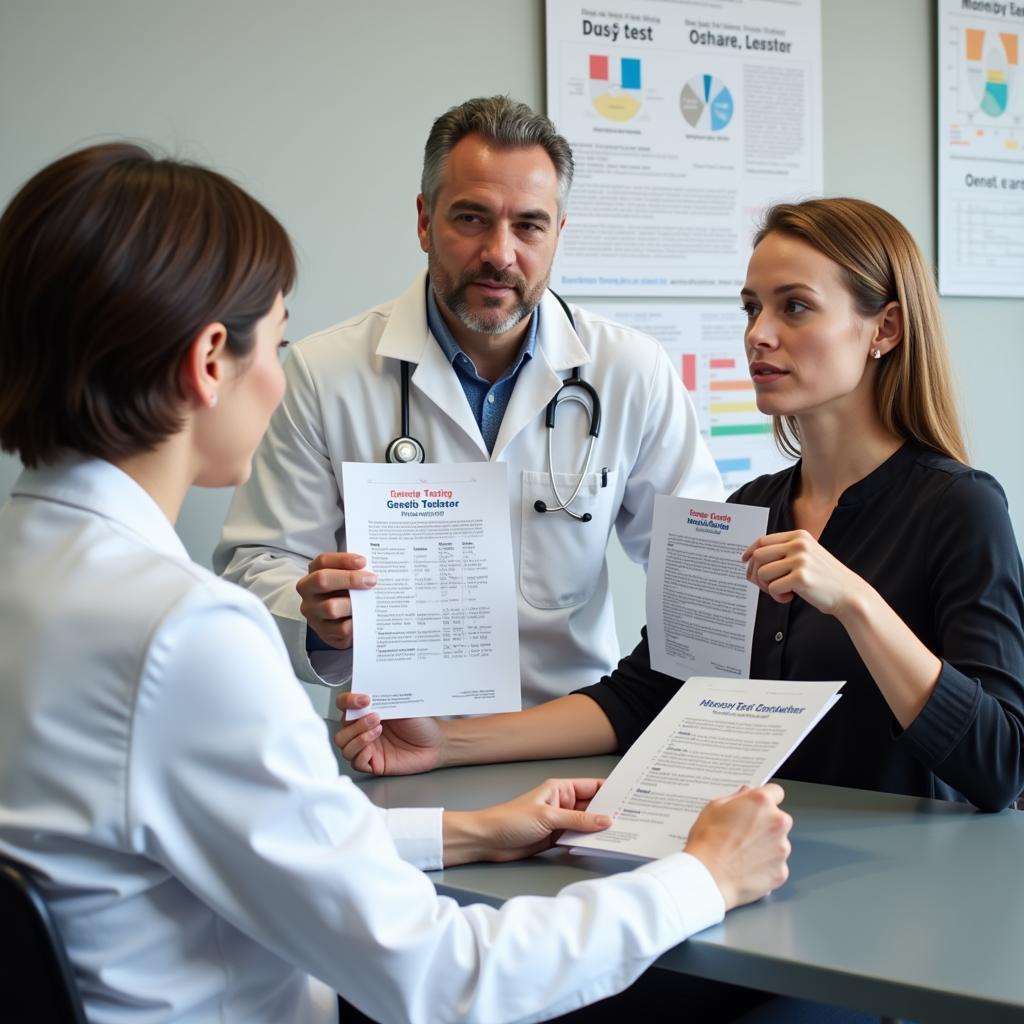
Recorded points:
(586, 517)
(540, 506)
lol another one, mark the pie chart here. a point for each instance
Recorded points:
(706, 103)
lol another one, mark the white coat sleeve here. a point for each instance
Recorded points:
(288, 512)
(672, 459)
(234, 789)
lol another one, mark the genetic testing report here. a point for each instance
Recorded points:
(714, 736)
(700, 606)
(438, 634)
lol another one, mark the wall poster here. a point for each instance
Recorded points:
(686, 118)
(981, 147)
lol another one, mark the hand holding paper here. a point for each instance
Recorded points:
(714, 736)
(742, 840)
(794, 564)
(400, 746)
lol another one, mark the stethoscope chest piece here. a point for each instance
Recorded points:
(405, 450)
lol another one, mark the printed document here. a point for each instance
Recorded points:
(700, 606)
(714, 736)
(438, 634)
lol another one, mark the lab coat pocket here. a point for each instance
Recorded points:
(561, 558)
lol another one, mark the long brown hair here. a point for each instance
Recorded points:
(111, 262)
(881, 263)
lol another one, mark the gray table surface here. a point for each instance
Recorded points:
(895, 905)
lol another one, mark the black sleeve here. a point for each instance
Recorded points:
(970, 733)
(633, 695)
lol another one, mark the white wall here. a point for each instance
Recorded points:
(321, 109)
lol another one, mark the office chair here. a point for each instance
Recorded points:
(36, 980)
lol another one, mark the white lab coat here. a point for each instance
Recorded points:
(343, 405)
(166, 778)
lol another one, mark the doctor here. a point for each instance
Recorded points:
(486, 347)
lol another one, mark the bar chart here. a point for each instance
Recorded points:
(705, 342)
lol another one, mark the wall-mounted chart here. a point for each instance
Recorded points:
(615, 86)
(981, 151)
(706, 103)
(683, 130)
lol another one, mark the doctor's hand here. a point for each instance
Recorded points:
(400, 746)
(743, 841)
(523, 826)
(794, 564)
(326, 605)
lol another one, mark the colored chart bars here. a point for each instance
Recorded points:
(615, 86)
(726, 399)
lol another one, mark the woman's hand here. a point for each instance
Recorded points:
(525, 825)
(400, 746)
(794, 564)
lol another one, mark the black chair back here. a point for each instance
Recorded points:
(36, 980)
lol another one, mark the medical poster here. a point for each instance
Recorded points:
(705, 344)
(981, 147)
(438, 634)
(686, 119)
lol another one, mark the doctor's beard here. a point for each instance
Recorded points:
(453, 294)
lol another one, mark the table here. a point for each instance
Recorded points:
(895, 905)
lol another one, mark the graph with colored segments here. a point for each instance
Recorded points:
(704, 343)
(616, 86)
(706, 103)
(991, 61)
(724, 395)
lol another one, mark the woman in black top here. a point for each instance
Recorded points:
(889, 563)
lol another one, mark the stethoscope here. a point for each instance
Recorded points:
(407, 449)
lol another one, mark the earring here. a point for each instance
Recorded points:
(211, 402)
(876, 353)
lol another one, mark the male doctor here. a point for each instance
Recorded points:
(487, 347)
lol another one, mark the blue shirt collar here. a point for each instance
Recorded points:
(440, 330)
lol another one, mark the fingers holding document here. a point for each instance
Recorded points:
(743, 840)
(326, 604)
(399, 746)
(524, 825)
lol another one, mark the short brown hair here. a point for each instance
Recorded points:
(111, 262)
(881, 263)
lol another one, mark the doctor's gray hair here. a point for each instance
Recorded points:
(503, 123)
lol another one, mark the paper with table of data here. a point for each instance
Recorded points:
(438, 634)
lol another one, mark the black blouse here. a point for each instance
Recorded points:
(934, 538)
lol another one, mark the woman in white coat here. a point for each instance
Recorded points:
(161, 770)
